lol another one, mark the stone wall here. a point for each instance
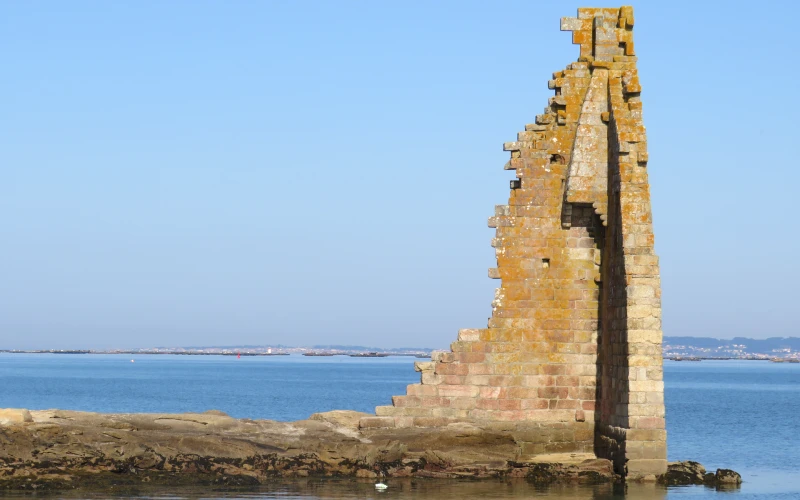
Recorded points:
(573, 347)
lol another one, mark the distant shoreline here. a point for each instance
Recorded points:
(674, 347)
(360, 354)
(356, 354)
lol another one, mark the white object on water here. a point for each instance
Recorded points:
(132, 361)
(380, 486)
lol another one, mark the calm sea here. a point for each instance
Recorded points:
(743, 415)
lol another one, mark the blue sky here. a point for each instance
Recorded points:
(206, 173)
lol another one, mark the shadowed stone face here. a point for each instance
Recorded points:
(574, 341)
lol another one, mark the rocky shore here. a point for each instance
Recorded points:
(57, 450)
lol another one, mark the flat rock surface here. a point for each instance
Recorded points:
(57, 449)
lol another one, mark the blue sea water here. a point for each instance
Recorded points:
(741, 415)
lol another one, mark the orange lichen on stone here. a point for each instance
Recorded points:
(574, 341)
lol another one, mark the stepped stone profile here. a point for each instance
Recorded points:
(573, 348)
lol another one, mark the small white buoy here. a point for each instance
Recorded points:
(132, 361)
(380, 486)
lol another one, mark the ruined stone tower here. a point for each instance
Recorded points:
(572, 352)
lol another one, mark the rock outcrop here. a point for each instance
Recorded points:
(692, 473)
(58, 449)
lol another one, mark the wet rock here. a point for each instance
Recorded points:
(587, 472)
(727, 477)
(693, 473)
(684, 473)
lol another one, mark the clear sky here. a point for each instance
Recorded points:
(253, 172)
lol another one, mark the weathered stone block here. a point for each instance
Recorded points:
(431, 421)
(469, 335)
(642, 467)
(422, 390)
(646, 386)
(658, 435)
(423, 366)
(429, 378)
(385, 411)
(376, 422)
(647, 422)
(442, 357)
(463, 391)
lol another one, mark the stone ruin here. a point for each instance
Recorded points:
(572, 351)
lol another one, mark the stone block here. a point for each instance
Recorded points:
(453, 379)
(535, 404)
(646, 386)
(442, 357)
(429, 378)
(417, 412)
(646, 435)
(480, 369)
(459, 347)
(491, 393)
(385, 411)
(645, 336)
(640, 467)
(470, 357)
(376, 422)
(469, 335)
(647, 422)
(402, 401)
(431, 421)
(567, 404)
(574, 24)
(450, 413)
(654, 450)
(562, 447)
(509, 415)
(461, 391)
(423, 366)
(509, 404)
(487, 404)
(451, 369)
(422, 390)
(468, 403)
(478, 380)
(403, 421)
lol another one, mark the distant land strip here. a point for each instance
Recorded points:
(681, 348)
